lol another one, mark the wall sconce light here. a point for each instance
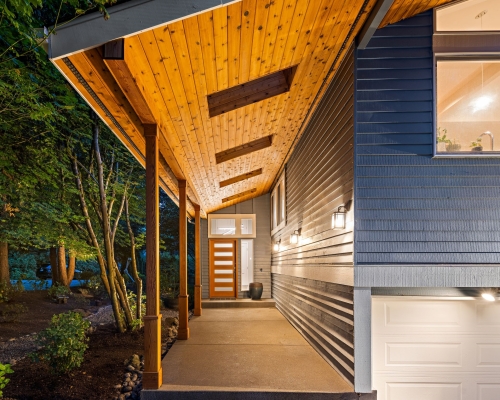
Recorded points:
(339, 217)
(277, 245)
(294, 237)
(489, 295)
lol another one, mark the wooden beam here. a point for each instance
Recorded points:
(152, 376)
(120, 65)
(183, 331)
(197, 256)
(246, 148)
(372, 23)
(240, 178)
(250, 92)
(237, 196)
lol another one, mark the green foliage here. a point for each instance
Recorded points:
(4, 370)
(132, 299)
(9, 292)
(441, 136)
(11, 312)
(476, 143)
(58, 290)
(22, 266)
(169, 275)
(64, 342)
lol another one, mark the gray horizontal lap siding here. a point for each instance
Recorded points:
(319, 178)
(409, 207)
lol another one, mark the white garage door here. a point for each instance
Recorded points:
(428, 349)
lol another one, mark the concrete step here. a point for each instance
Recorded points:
(170, 393)
(239, 303)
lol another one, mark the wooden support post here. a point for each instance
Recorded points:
(152, 376)
(183, 331)
(197, 255)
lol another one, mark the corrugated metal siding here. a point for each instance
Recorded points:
(312, 280)
(319, 178)
(323, 313)
(411, 208)
(262, 244)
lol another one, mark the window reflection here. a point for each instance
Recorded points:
(472, 15)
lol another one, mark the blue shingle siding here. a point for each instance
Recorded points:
(409, 207)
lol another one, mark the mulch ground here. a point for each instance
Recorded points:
(102, 369)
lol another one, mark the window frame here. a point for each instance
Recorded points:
(449, 46)
(278, 209)
(237, 218)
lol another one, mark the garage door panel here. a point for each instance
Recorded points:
(421, 391)
(420, 357)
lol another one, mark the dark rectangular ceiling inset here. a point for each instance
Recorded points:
(250, 92)
(240, 178)
(246, 148)
(237, 196)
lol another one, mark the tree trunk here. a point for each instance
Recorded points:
(71, 267)
(53, 265)
(61, 266)
(133, 264)
(4, 263)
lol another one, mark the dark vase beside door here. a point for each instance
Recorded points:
(255, 290)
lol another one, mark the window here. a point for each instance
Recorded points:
(232, 225)
(278, 205)
(467, 79)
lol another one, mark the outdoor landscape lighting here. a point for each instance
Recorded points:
(489, 295)
(294, 238)
(277, 245)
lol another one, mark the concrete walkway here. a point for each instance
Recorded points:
(247, 353)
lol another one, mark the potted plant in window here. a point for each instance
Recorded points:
(453, 147)
(476, 145)
(442, 141)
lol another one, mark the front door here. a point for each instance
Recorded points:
(222, 268)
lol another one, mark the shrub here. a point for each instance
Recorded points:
(63, 343)
(4, 370)
(22, 266)
(57, 290)
(9, 292)
(132, 299)
(11, 312)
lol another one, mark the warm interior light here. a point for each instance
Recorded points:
(481, 103)
(488, 296)
(294, 238)
(338, 219)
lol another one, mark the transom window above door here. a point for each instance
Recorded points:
(231, 225)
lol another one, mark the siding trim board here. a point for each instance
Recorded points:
(413, 211)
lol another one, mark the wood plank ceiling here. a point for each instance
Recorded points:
(176, 66)
(403, 9)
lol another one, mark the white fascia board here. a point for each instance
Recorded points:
(126, 19)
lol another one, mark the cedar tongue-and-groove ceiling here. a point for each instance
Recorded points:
(168, 72)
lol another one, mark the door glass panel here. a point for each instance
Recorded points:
(468, 106)
(223, 245)
(223, 289)
(246, 226)
(223, 271)
(221, 280)
(223, 254)
(223, 226)
(220, 262)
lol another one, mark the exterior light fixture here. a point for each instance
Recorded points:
(489, 295)
(294, 237)
(339, 217)
(277, 245)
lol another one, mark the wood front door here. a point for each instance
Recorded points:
(222, 268)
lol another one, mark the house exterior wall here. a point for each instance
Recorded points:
(312, 280)
(419, 220)
(260, 206)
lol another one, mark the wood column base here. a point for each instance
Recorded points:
(183, 330)
(197, 300)
(152, 376)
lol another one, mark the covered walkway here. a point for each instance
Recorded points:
(247, 353)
